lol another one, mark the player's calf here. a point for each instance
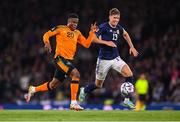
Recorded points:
(44, 87)
(88, 89)
(91, 87)
(75, 76)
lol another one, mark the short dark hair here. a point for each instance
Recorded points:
(114, 11)
(72, 15)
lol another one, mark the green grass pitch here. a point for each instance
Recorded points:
(87, 115)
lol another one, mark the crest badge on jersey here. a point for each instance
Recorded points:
(117, 31)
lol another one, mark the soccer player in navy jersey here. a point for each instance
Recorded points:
(109, 56)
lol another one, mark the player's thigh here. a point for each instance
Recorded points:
(64, 66)
(102, 68)
(120, 66)
(126, 71)
(59, 75)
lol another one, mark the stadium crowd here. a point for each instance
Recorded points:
(153, 26)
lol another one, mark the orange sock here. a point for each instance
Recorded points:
(138, 105)
(74, 90)
(141, 105)
(43, 87)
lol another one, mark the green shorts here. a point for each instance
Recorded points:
(63, 68)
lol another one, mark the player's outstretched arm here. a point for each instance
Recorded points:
(108, 43)
(92, 37)
(132, 49)
(46, 37)
(87, 42)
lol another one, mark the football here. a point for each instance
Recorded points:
(127, 88)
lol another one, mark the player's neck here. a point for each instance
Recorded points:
(113, 26)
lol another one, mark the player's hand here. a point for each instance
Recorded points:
(94, 27)
(133, 52)
(48, 47)
(110, 43)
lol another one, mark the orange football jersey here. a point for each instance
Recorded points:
(66, 40)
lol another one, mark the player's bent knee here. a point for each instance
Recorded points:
(99, 83)
(75, 75)
(54, 84)
(129, 74)
(126, 71)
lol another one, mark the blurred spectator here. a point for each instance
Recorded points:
(141, 86)
(176, 94)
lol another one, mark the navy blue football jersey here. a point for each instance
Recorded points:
(108, 33)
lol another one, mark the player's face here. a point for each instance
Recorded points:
(72, 23)
(114, 19)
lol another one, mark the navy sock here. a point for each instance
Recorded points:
(130, 79)
(89, 88)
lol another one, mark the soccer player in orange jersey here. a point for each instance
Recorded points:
(67, 37)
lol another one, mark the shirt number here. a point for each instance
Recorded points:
(115, 37)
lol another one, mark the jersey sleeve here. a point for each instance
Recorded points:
(121, 29)
(52, 32)
(86, 42)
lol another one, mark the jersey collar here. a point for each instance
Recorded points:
(111, 25)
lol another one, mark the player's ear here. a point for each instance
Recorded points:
(69, 20)
(110, 16)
